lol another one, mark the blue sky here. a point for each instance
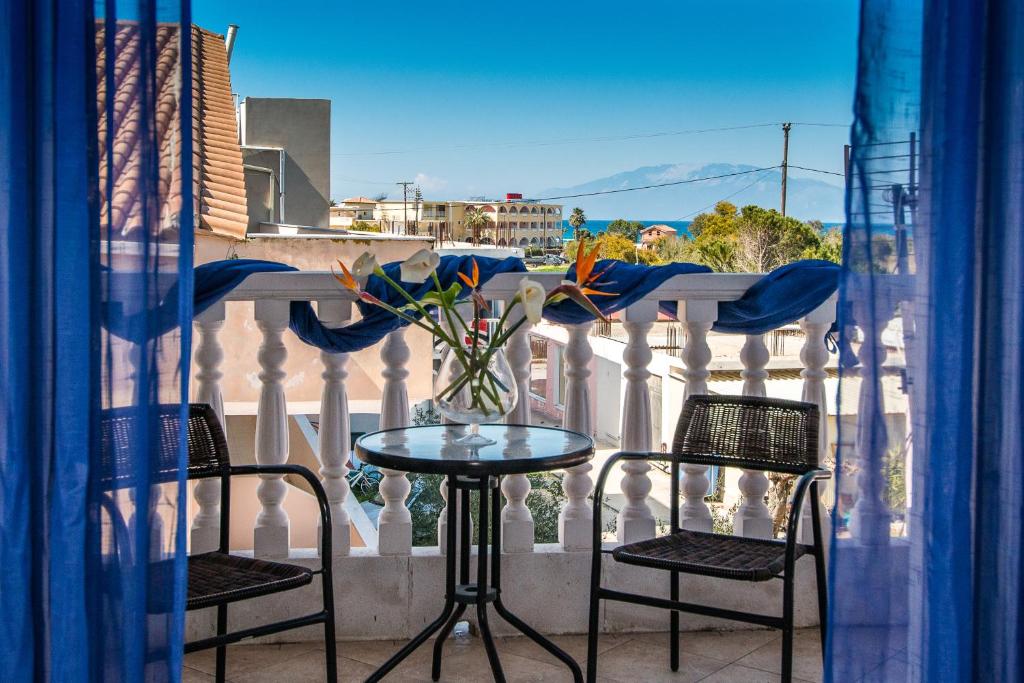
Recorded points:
(463, 89)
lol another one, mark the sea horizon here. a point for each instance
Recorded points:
(596, 226)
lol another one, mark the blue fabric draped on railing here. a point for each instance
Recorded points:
(927, 562)
(95, 229)
(780, 297)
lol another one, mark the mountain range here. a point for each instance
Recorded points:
(807, 198)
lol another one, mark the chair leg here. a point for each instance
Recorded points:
(222, 650)
(787, 627)
(330, 642)
(674, 625)
(822, 585)
(593, 626)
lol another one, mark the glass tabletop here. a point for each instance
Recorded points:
(432, 449)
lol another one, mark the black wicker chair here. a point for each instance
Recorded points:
(731, 431)
(216, 579)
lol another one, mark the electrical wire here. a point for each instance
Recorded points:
(817, 170)
(651, 187)
(728, 196)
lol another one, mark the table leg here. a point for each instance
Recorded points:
(447, 612)
(481, 577)
(518, 623)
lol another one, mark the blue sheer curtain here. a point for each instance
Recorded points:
(926, 562)
(95, 224)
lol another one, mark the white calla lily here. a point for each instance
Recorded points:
(365, 266)
(418, 267)
(531, 296)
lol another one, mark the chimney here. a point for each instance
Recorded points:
(229, 39)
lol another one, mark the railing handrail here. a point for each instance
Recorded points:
(321, 285)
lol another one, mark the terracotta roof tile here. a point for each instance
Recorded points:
(218, 180)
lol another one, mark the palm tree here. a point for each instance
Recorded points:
(475, 220)
(577, 220)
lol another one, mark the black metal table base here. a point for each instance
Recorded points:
(458, 596)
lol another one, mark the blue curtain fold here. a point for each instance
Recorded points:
(95, 225)
(927, 564)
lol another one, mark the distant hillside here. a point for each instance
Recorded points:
(807, 198)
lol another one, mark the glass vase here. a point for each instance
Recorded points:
(475, 386)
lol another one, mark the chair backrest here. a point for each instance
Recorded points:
(121, 429)
(750, 432)
(207, 445)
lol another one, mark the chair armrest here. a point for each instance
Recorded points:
(799, 493)
(318, 491)
(603, 475)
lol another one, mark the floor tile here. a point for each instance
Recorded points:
(574, 646)
(193, 676)
(806, 656)
(727, 646)
(734, 673)
(637, 660)
(244, 658)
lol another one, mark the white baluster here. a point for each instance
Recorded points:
(394, 524)
(869, 519)
(698, 317)
(814, 357)
(516, 519)
(205, 533)
(335, 429)
(635, 521)
(577, 516)
(753, 519)
(272, 534)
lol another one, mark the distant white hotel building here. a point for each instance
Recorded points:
(512, 222)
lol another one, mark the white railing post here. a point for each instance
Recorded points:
(394, 524)
(870, 519)
(753, 519)
(635, 520)
(205, 533)
(271, 538)
(516, 519)
(698, 317)
(334, 433)
(577, 517)
(814, 357)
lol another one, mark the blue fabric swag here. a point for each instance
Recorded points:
(780, 297)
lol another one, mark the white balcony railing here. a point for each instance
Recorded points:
(697, 296)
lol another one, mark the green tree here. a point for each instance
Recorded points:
(475, 220)
(754, 239)
(722, 219)
(618, 247)
(577, 219)
(670, 249)
(830, 247)
(766, 239)
(629, 229)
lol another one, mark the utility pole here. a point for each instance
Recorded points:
(405, 203)
(785, 162)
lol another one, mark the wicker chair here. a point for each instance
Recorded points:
(216, 579)
(728, 431)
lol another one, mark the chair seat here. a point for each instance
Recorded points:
(216, 578)
(694, 552)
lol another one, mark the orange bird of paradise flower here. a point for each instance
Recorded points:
(584, 270)
(351, 284)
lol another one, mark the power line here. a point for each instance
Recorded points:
(651, 187)
(565, 141)
(817, 170)
(728, 196)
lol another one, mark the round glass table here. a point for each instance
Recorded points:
(433, 449)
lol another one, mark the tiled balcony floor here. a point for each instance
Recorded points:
(710, 656)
